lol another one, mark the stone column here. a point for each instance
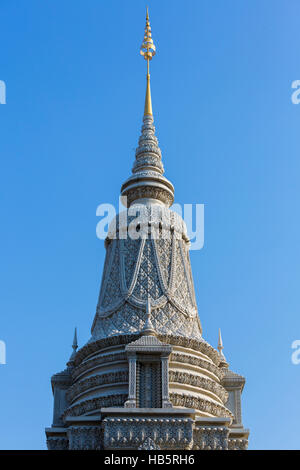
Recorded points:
(131, 402)
(165, 382)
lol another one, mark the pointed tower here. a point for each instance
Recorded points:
(146, 378)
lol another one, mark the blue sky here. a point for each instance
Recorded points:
(229, 133)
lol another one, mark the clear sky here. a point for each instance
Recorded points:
(229, 133)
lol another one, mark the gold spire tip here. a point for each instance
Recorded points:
(148, 48)
(148, 51)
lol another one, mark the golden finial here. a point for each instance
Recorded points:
(148, 51)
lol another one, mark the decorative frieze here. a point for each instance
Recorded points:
(150, 192)
(97, 381)
(200, 382)
(97, 361)
(211, 438)
(132, 432)
(85, 438)
(192, 343)
(57, 443)
(93, 347)
(237, 444)
(189, 343)
(148, 444)
(209, 407)
(197, 361)
(95, 404)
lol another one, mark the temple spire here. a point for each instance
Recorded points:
(148, 51)
(147, 182)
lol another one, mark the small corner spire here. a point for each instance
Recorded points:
(223, 364)
(148, 329)
(75, 344)
(70, 363)
(220, 343)
(148, 51)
